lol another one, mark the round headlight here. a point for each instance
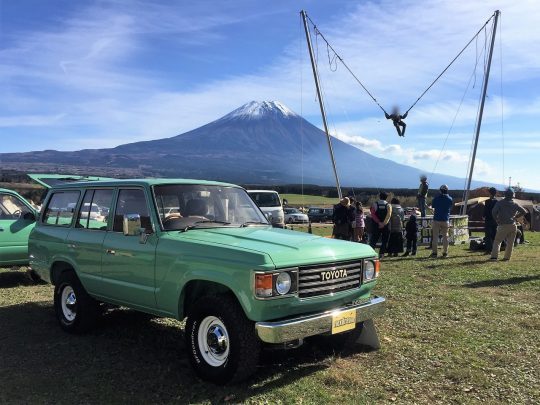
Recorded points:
(283, 283)
(369, 271)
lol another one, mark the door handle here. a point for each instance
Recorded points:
(110, 252)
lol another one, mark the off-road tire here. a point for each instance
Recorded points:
(244, 345)
(85, 310)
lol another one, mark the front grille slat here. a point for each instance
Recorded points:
(311, 284)
(338, 287)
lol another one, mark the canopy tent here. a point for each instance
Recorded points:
(476, 210)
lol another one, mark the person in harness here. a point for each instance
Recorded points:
(397, 119)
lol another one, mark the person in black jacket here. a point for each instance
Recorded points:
(343, 217)
(490, 225)
(411, 231)
(397, 119)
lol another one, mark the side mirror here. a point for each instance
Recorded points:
(131, 226)
(29, 216)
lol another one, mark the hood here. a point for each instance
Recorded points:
(284, 247)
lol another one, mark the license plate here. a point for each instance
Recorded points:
(343, 321)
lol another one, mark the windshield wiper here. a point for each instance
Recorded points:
(204, 221)
(248, 223)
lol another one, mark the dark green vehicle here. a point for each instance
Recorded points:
(202, 251)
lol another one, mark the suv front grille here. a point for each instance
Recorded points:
(321, 279)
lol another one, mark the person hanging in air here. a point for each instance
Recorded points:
(397, 119)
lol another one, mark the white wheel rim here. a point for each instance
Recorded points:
(213, 341)
(69, 302)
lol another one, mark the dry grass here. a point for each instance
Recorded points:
(460, 330)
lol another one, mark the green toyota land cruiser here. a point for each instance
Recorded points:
(202, 251)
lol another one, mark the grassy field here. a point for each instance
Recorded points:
(309, 200)
(457, 330)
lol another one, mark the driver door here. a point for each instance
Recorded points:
(14, 229)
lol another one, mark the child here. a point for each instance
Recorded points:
(411, 230)
(359, 223)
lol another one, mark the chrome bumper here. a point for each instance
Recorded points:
(316, 324)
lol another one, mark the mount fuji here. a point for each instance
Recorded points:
(258, 143)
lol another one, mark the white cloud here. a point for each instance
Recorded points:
(81, 74)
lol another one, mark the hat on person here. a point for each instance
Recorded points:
(444, 188)
(509, 193)
(423, 177)
(345, 201)
(492, 190)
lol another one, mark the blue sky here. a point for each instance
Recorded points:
(94, 74)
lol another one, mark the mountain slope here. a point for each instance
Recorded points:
(259, 143)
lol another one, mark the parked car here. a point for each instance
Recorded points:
(17, 218)
(270, 203)
(316, 214)
(216, 261)
(295, 216)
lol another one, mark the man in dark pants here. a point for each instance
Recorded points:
(397, 119)
(381, 212)
(490, 225)
(343, 217)
(422, 195)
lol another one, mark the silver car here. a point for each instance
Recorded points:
(295, 216)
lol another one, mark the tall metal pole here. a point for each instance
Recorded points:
(479, 124)
(321, 104)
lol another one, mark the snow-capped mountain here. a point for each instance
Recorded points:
(260, 109)
(258, 143)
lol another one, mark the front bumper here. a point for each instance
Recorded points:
(315, 324)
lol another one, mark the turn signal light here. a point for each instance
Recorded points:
(377, 268)
(263, 285)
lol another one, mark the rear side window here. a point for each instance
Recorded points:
(94, 211)
(61, 208)
(131, 201)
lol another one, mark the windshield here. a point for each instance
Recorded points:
(182, 206)
(268, 199)
(292, 211)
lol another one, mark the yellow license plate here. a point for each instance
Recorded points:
(343, 321)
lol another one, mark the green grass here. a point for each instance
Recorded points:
(456, 330)
(309, 200)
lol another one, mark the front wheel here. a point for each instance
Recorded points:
(222, 343)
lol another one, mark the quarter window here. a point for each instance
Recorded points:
(61, 208)
(131, 201)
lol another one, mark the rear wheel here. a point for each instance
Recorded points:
(222, 343)
(75, 310)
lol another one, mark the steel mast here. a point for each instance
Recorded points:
(479, 123)
(321, 104)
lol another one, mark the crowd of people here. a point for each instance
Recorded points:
(388, 226)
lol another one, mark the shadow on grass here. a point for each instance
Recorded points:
(16, 278)
(129, 357)
(501, 281)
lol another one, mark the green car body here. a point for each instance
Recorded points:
(17, 219)
(176, 272)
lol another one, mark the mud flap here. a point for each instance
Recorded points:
(369, 336)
